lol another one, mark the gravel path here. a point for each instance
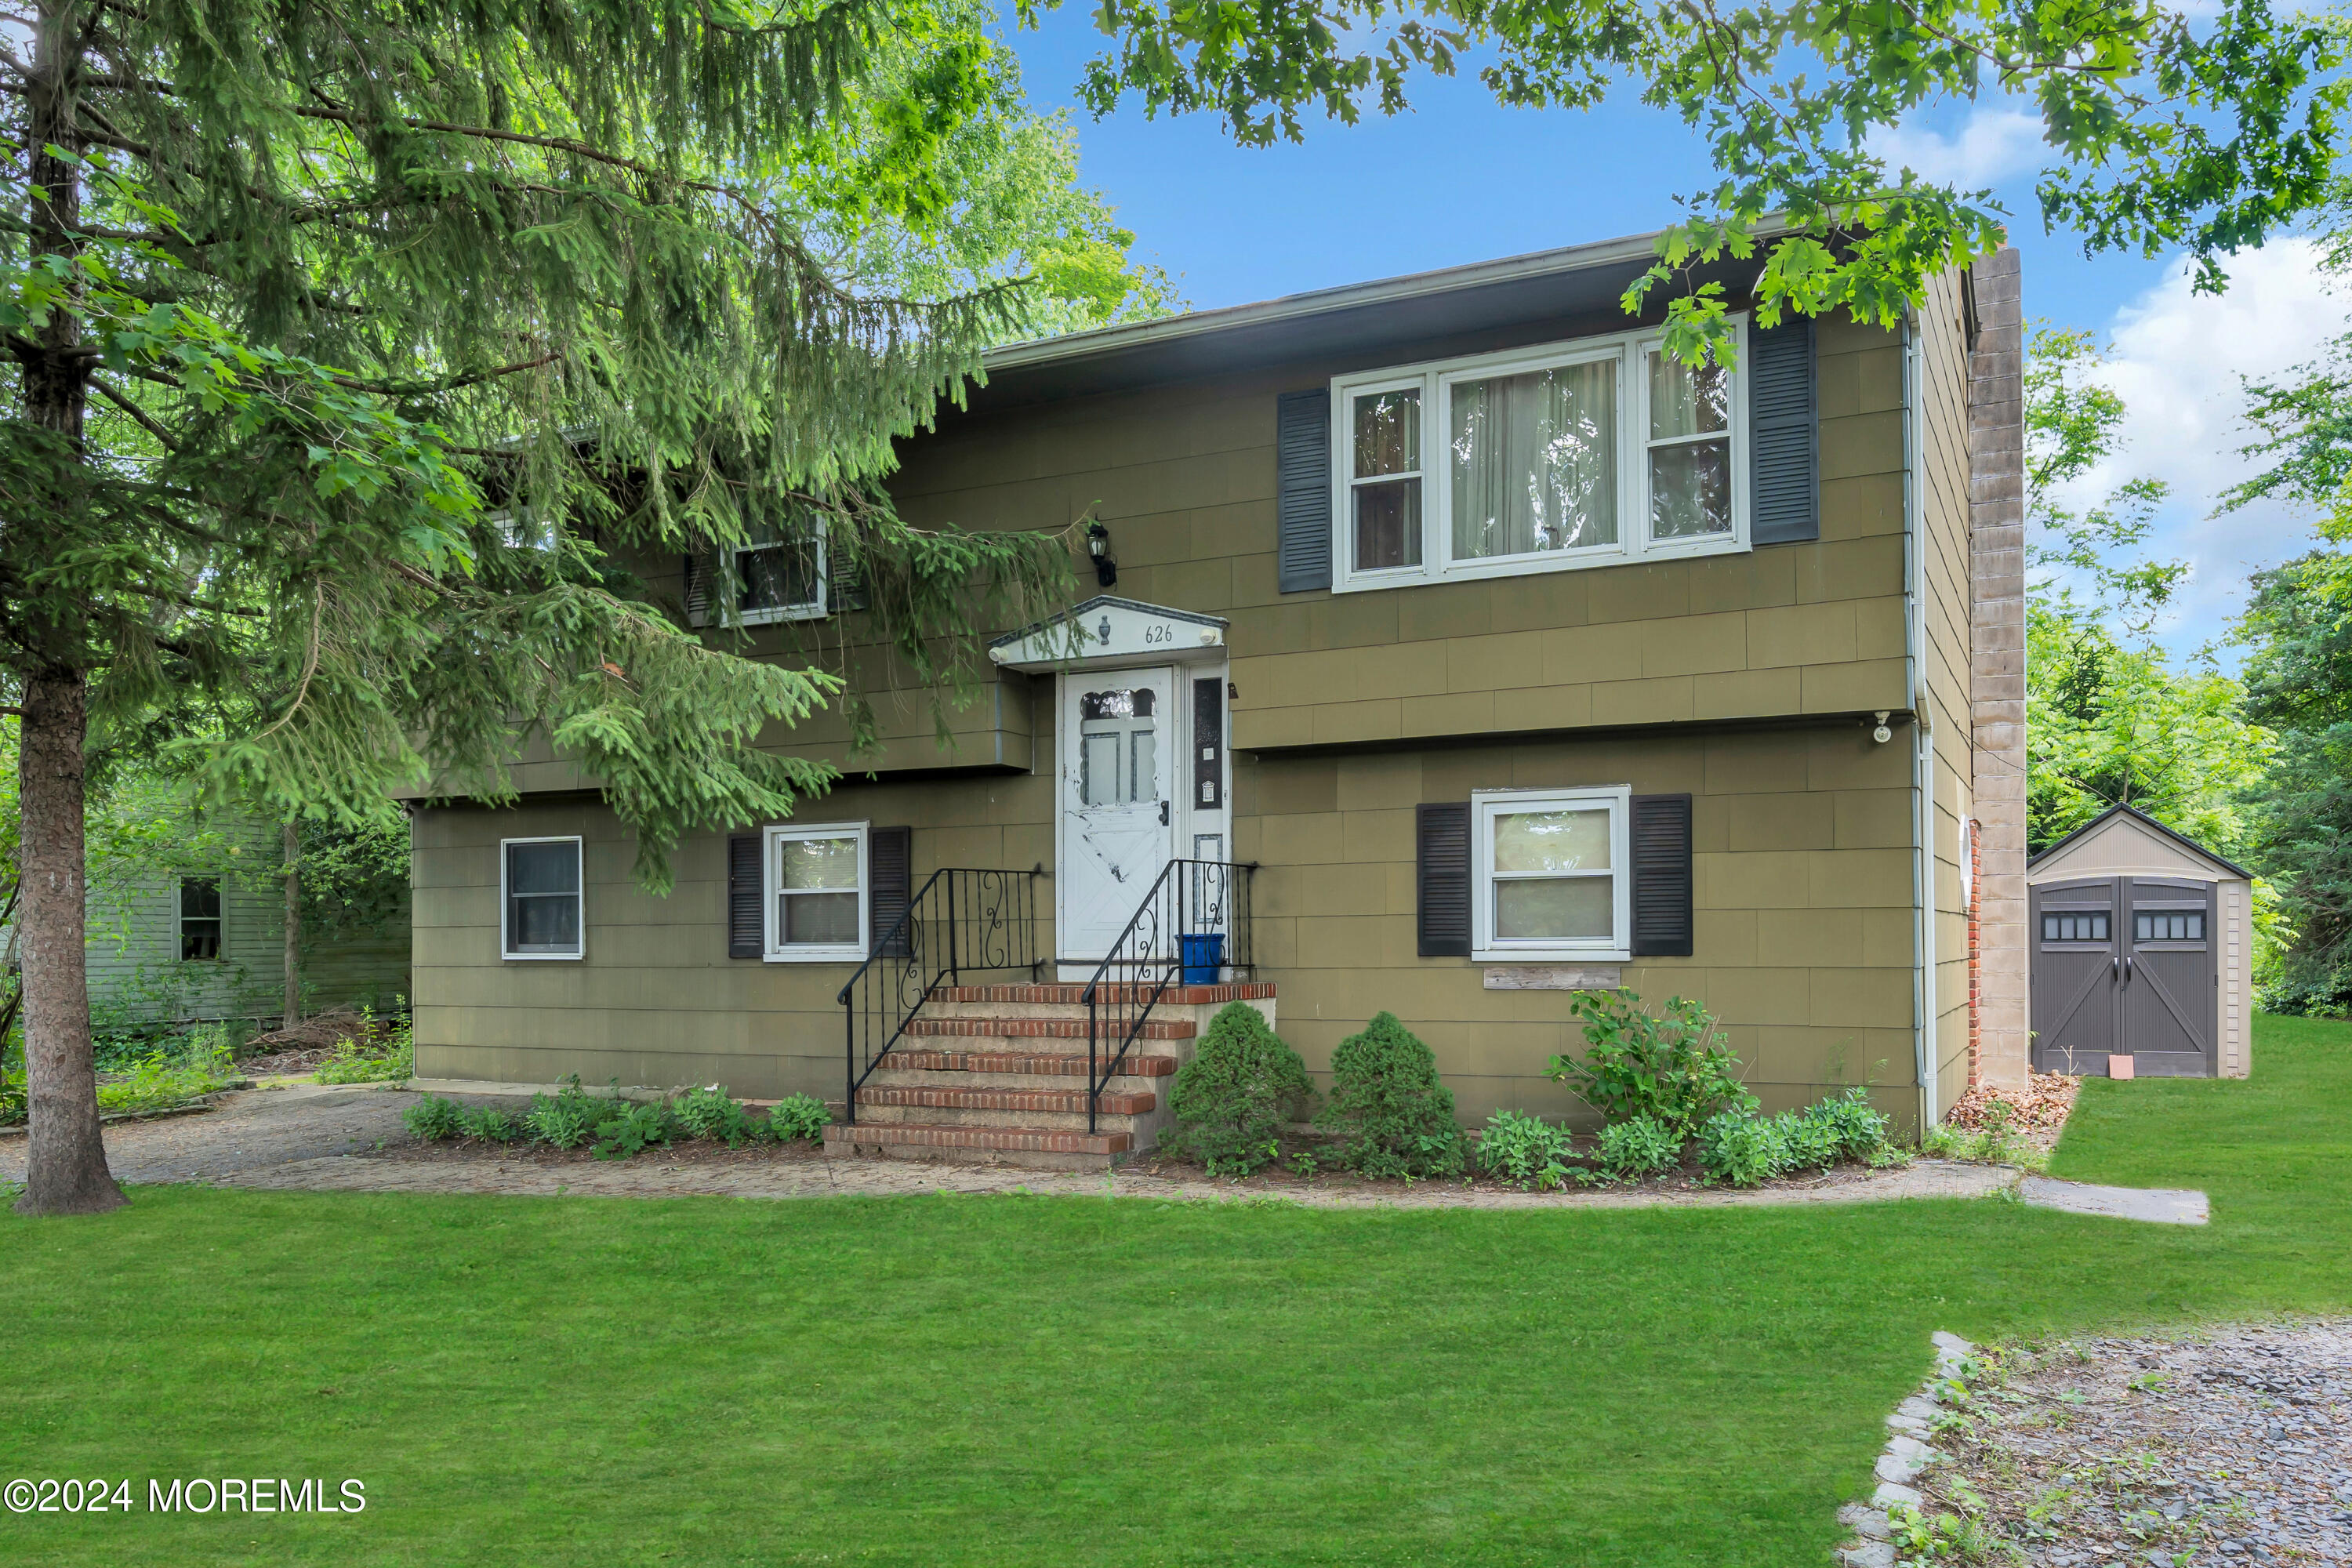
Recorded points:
(349, 1139)
(251, 1130)
(2232, 1446)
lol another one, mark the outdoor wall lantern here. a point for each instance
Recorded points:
(1098, 548)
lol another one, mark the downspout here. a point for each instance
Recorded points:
(1923, 764)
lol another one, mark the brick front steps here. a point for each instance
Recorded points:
(997, 1075)
(1034, 1147)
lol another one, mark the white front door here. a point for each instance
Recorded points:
(1120, 743)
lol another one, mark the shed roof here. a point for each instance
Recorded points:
(2135, 820)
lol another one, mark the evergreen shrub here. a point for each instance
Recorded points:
(1231, 1100)
(1393, 1117)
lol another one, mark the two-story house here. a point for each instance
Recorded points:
(1461, 650)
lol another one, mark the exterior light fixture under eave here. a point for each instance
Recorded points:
(1099, 551)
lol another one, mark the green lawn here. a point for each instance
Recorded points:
(1008, 1381)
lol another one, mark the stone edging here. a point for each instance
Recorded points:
(1902, 1461)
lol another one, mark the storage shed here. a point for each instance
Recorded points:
(2143, 954)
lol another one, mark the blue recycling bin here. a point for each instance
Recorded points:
(1203, 955)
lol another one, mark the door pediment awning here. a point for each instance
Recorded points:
(1106, 628)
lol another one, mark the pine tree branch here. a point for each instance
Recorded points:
(423, 388)
(141, 415)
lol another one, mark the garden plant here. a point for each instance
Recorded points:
(615, 1127)
(1392, 1114)
(1232, 1099)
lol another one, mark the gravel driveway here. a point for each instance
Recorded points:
(2230, 1445)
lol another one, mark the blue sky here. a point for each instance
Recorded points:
(1461, 179)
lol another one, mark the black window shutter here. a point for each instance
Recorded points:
(1302, 491)
(890, 876)
(1786, 492)
(745, 936)
(1444, 879)
(845, 588)
(1662, 876)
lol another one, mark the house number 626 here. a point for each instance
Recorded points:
(1159, 633)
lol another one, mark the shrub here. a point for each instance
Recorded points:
(1809, 1141)
(1671, 1066)
(488, 1123)
(627, 1135)
(566, 1120)
(1739, 1149)
(370, 1059)
(709, 1113)
(433, 1118)
(1231, 1100)
(1641, 1146)
(801, 1116)
(1525, 1151)
(1393, 1117)
(1860, 1128)
(165, 1077)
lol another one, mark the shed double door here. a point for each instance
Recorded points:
(2126, 966)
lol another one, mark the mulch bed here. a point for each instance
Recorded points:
(2039, 1115)
(686, 1151)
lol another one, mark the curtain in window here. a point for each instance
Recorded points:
(1533, 460)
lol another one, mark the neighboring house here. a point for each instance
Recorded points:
(205, 940)
(1478, 651)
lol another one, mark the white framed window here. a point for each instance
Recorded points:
(1552, 874)
(197, 919)
(1576, 454)
(781, 575)
(540, 898)
(818, 892)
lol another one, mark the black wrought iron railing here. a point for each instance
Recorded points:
(961, 922)
(1193, 927)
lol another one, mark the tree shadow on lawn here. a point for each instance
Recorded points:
(1004, 1381)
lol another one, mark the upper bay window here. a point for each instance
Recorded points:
(1577, 454)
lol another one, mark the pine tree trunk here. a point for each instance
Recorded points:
(293, 852)
(65, 1158)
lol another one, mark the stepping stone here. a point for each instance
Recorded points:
(1869, 1554)
(1870, 1523)
(2157, 1205)
(1890, 1493)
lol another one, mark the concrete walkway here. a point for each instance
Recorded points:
(2157, 1205)
(651, 1176)
(307, 1137)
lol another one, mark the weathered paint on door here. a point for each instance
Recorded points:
(2124, 965)
(2075, 968)
(2170, 984)
(1116, 800)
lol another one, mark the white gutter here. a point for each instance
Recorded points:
(1923, 764)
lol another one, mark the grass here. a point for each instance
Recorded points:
(946, 1381)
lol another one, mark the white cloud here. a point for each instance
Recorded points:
(1993, 144)
(2178, 363)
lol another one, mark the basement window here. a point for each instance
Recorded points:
(817, 889)
(540, 892)
(1550, 869)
